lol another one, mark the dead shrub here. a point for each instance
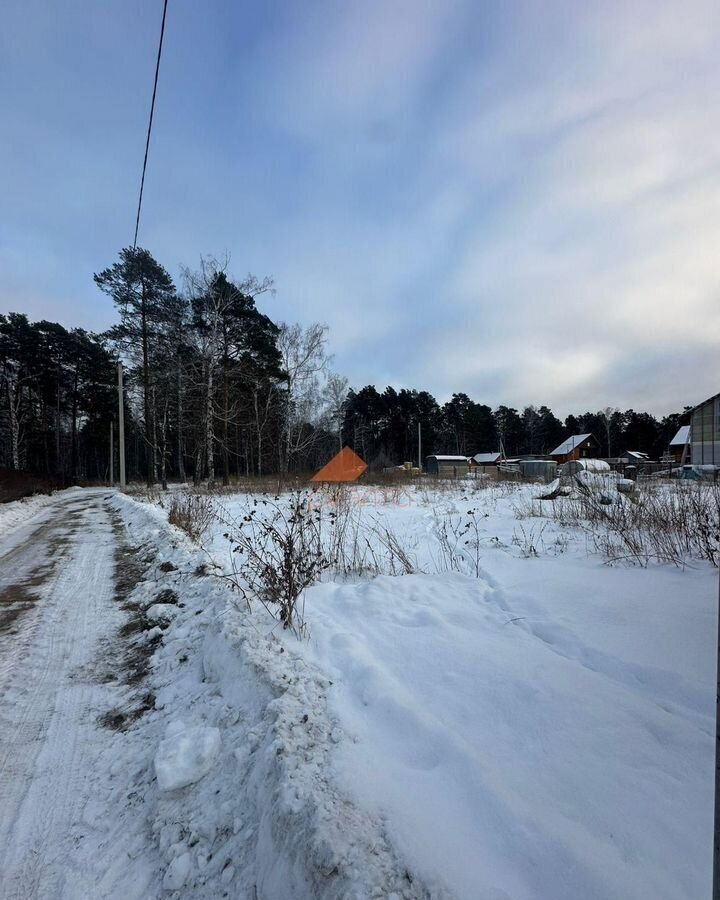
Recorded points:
(673, 523)
(277, 553)
(191, 512)
(282, 545)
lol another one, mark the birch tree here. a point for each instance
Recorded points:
(304, 362)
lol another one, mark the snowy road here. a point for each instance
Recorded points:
(56, 607)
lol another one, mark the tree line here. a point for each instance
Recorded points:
(383, 427)
(215, 389)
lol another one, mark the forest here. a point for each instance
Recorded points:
(215, 389)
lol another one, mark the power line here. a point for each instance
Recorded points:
(152, 110)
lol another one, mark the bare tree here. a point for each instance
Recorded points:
(304, 362)
(336, 392)
(607, 414)
(206, 304)
(219, 311)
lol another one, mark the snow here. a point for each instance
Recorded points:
(185, 755)
(570, 444)
(682, 437)
(268, 817)
(66, 829)
(552, 773)
(17, 512)
(515, 720)
(177, 872)
(486, 458)
(543, 729)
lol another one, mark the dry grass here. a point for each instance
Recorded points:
(191, 512)
(677, 522)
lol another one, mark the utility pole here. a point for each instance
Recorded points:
(419, 447)
(121, 426)
(112, 455)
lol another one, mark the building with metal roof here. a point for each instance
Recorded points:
(448, 466)
(679, 446)
(705, 432)
(577, 446)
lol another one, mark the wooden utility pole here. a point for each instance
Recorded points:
(121, 426)
(112, 454)
(419, 448)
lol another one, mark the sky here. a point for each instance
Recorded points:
(517, 200)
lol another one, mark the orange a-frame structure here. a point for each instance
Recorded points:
(345, 466)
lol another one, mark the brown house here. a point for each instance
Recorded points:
(578, 446)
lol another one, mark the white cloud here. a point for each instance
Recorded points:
(521, 201)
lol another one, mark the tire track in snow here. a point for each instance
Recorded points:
(50, 742)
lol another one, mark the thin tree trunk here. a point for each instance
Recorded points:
(58, 461)
(210, 429)
(226, 416)
(154, 448)
(46, 446)
(149, 450)
(73, 440)
(163, 448)
(14, 426)
(180, 427)
(259, 433)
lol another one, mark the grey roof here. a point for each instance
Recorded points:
(682, 437)
(709, 399)
(481, 458)
(570, 444)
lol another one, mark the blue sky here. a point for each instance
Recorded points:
(520, 200)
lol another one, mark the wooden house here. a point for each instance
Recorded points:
(577, 446)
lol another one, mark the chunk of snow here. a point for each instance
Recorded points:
(185, 755)
(177, 872)
(161, 612)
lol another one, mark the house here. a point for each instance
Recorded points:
(578, 446)
(679, 447)
(634, 457)
(705, 433)
(446, 466)
(485, 459)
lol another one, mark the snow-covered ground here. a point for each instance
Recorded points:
(538, 724)
(513, 720)
(17, 512)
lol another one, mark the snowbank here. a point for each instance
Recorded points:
(18, 512)
(504, 754)
(185, 755)
(245, 803)
(542, 730)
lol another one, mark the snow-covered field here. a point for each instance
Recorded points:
(537, 724)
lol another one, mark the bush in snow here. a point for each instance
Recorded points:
(666, 522)
(278, 552)
(192, 513)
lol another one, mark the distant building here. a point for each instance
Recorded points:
(578, 446)
(705, 433)
(679, 447)
(344, 466)
(634, 457)
(485, 459)
(447, 466)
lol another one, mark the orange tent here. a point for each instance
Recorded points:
(345, 466)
